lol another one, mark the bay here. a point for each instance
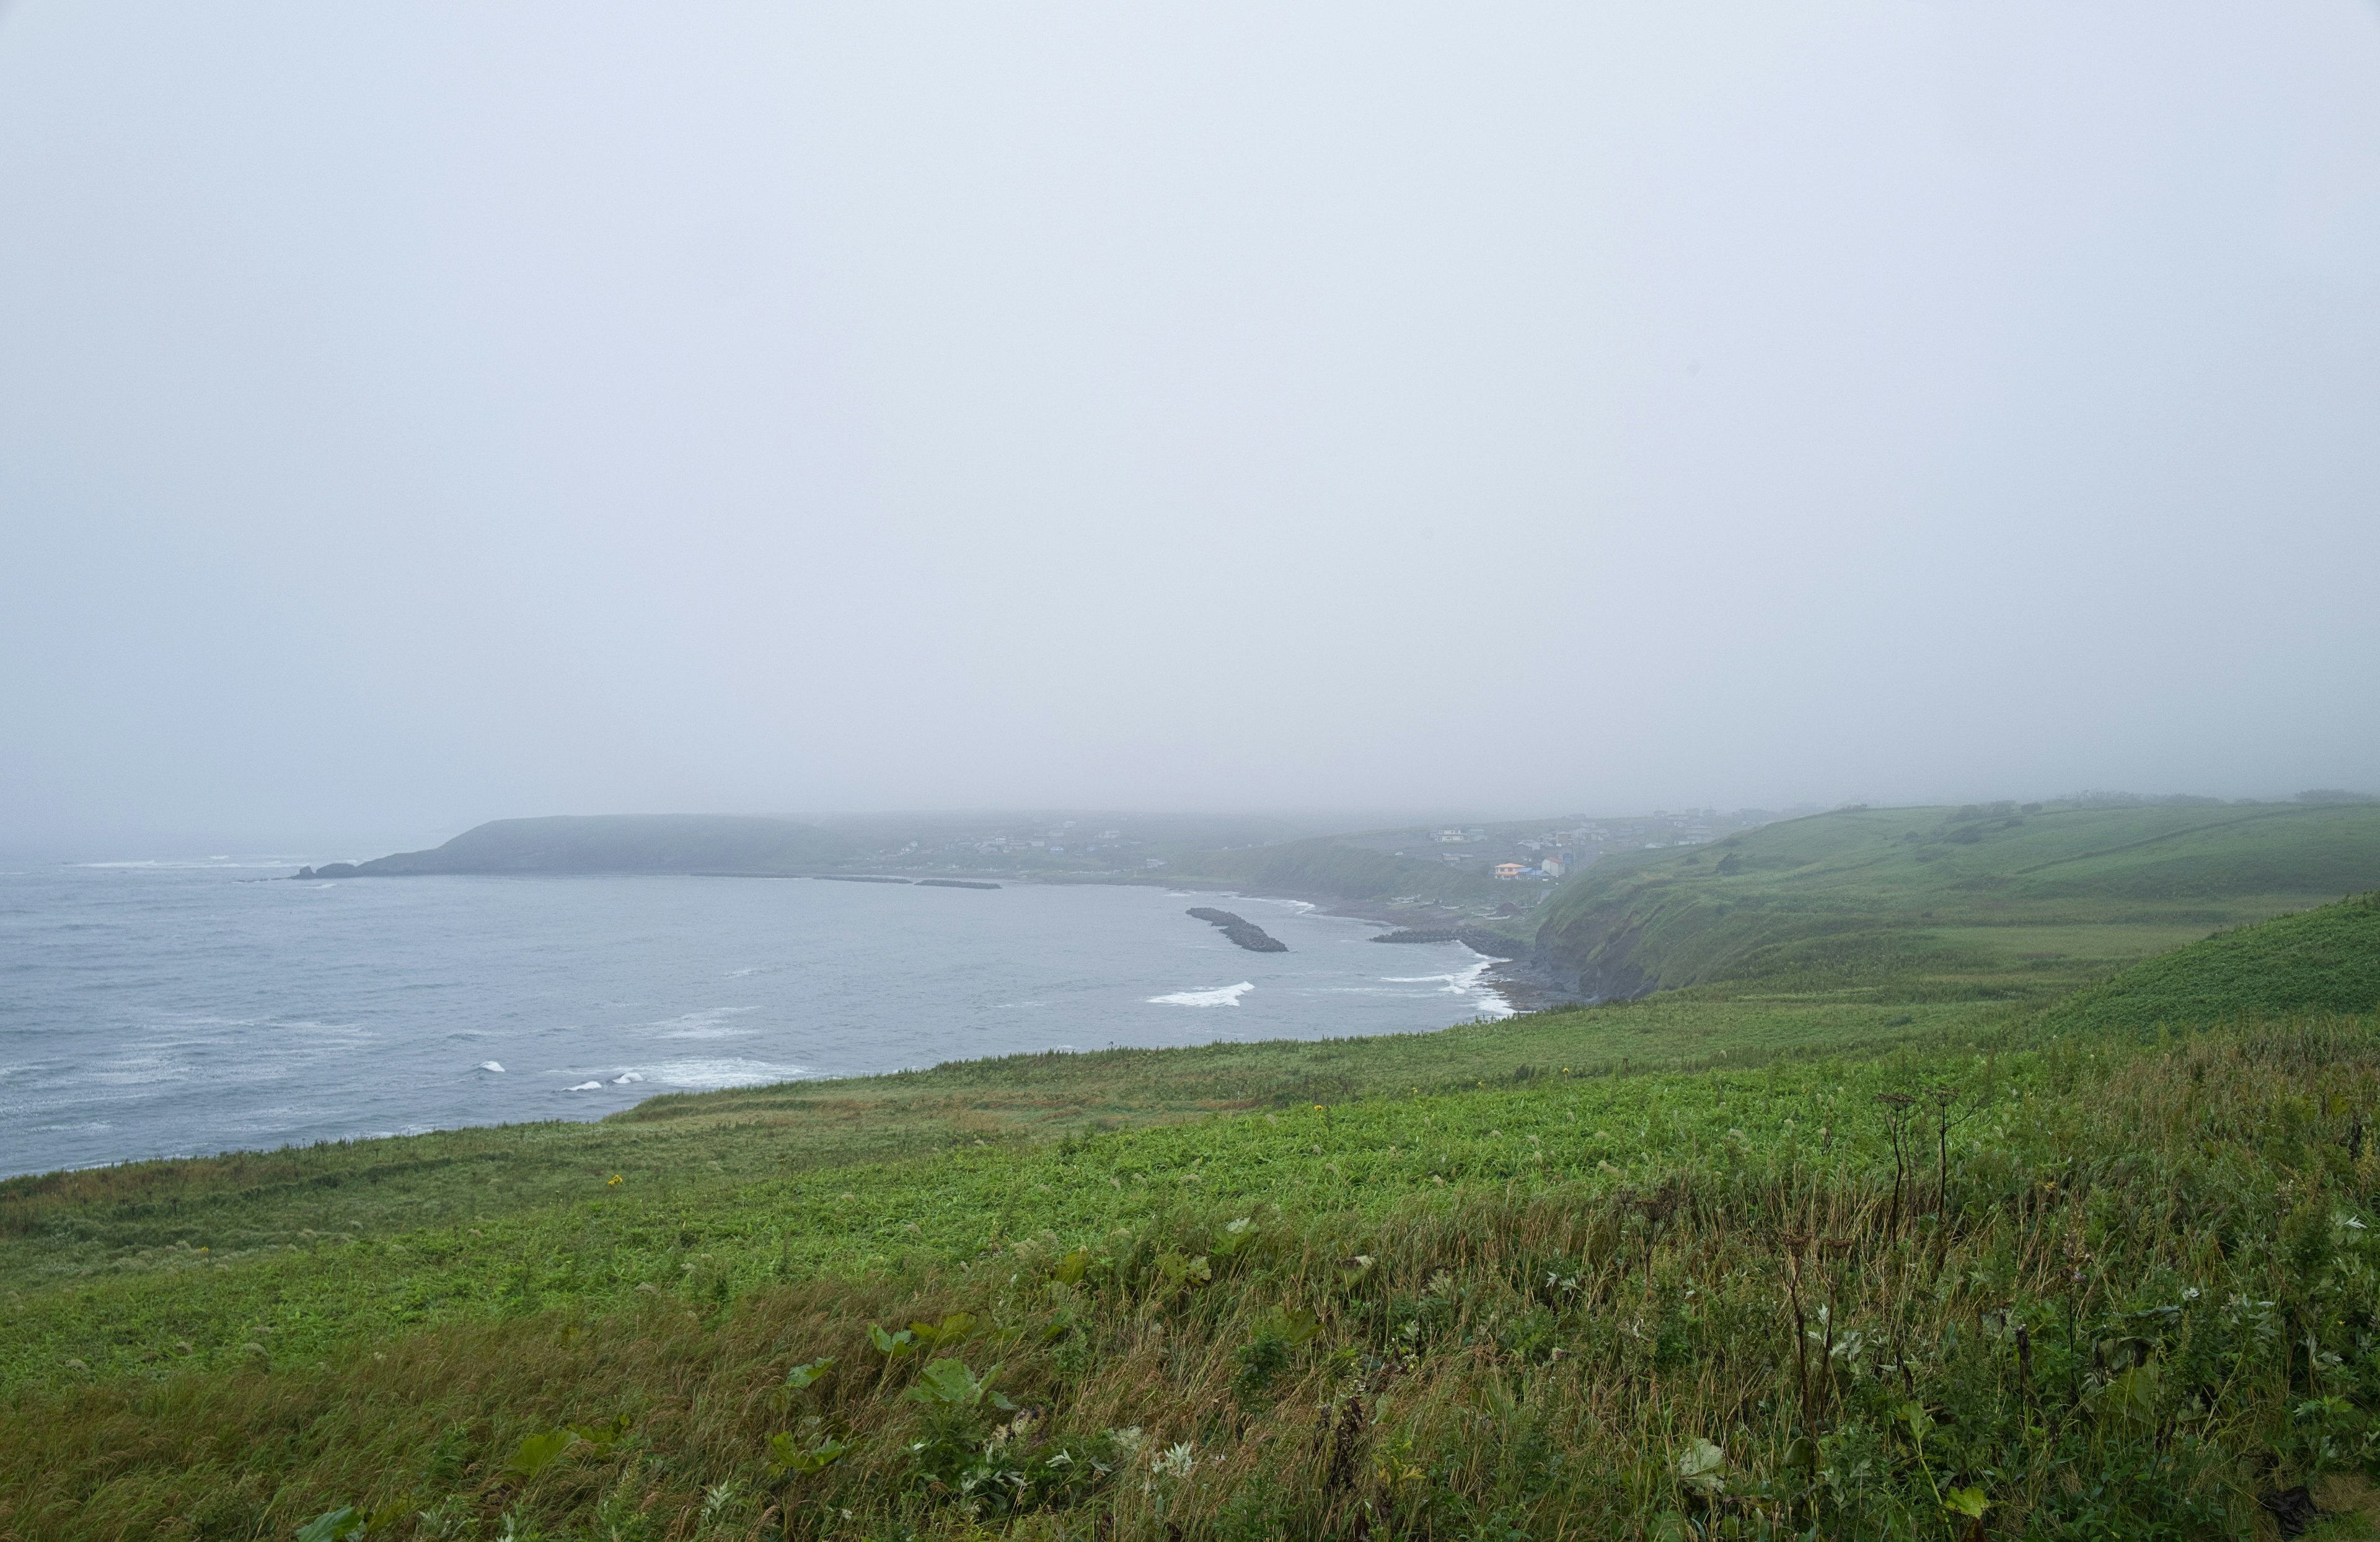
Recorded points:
(174, 1009)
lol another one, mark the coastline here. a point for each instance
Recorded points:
(1512, 978)
(1506, 979)
(341, 1011)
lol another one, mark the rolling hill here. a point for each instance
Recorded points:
(1919, 899)
(619, 843)
(2319, 961)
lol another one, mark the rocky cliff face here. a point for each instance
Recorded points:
(1593, 958)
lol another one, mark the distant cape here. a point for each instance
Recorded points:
(736, 843)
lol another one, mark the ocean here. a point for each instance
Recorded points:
(151, 1009)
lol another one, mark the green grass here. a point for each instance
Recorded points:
(2325, 960)
(117, 1247)
(1501, 1281)
(1908, 900)
(118, 1268)
(1523, 1308)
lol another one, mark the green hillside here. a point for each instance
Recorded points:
(2322, 961)
(624, 843)
(1927, 900)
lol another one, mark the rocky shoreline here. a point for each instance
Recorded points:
(1524, 986)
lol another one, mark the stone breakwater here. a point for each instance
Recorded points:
(1477, 939)
(1244, 932)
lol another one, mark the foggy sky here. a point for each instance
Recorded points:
(417, 414)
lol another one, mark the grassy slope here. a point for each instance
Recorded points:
(1896, 898)
(116, 1267)
(243, 1303)
(2325, 960)
(1535, 1301)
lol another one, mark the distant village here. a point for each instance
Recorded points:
(1531, 853)
(1518, 852)
(1068, 844)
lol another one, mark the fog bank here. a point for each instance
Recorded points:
(414, 417)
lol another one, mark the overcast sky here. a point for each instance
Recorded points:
(416, 414)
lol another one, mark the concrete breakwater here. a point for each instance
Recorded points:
(1244, 932)
(1478, 939)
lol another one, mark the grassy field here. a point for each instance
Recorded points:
(1913, 899)
(1863, 1245)
(177, 1263)
(2325, 960)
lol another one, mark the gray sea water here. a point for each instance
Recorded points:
(173, 1009)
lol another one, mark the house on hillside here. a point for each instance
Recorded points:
(1508, 869)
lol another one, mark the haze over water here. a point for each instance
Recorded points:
(178, 1009)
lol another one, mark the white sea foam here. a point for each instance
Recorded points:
(709, 1023)
(1228, 995)
(585, 1087)
(708, 1075)
(496, 1066)
(624, 1077)
(1469, 981)
(1459, 981)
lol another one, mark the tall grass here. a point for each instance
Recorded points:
(2119, 1297)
